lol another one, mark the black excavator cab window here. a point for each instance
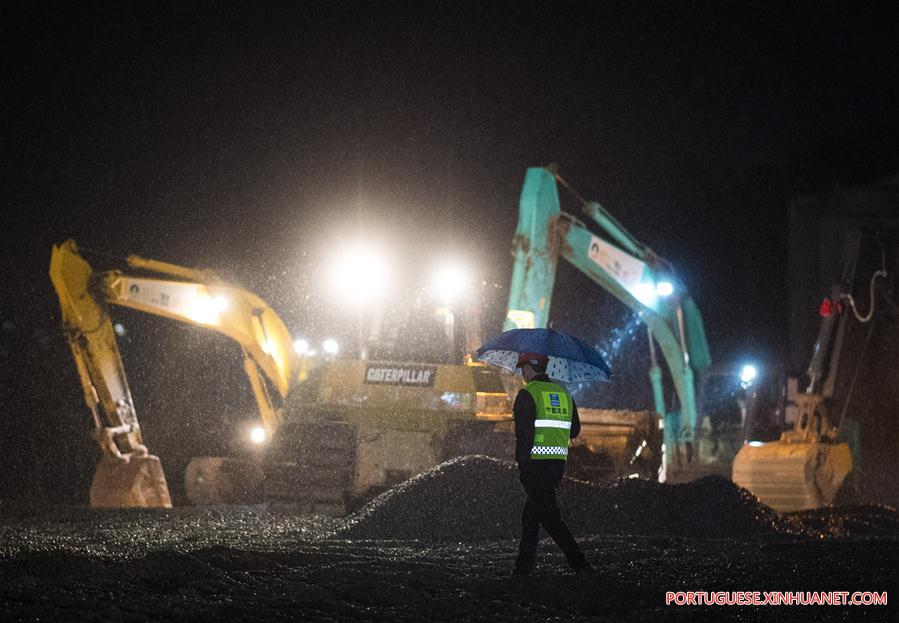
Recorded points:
(487, 381)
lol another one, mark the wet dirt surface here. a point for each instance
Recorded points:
(261, 564)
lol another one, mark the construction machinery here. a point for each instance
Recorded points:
(647, 284)
(809, 464)
(338, 429)
(127, 474)
(357, 427)
(731, 423)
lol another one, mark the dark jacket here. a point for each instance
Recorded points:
(525, 412)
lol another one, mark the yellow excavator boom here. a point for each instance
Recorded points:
(127, 474)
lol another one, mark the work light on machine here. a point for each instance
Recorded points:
(664, 288)
(301, 346)
(645, 292)
(360, 273)
(205, 309)
(449, 282)
(330, 347)
(748, 374)
(258, 435)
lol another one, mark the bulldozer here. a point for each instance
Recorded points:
(356, 427)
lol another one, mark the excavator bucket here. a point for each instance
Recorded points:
(130, 482)
(793, 475)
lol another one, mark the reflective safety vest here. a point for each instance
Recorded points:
(553, 424)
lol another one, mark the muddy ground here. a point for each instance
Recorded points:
(262, 563)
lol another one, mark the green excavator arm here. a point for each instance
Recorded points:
(622, 266)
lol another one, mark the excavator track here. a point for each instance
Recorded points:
(317, 471)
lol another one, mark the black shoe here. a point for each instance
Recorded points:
(520, 573)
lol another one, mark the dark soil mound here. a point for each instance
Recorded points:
(469, 498)
(708, 507)
(475, 497)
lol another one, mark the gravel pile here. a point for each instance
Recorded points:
(468, 498)
(474, 498)
(708, 507)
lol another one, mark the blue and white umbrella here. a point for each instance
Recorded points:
(570, 360)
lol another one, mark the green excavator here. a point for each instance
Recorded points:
(644, 282)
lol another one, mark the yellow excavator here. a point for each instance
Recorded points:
(808, 465)
(338, 430)
(127, 474)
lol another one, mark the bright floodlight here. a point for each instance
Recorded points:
(664, 288)
(258, 435)
(645, 293)
(449, 283)
(748, 374)
(205, 309)
(360, 273)
(330, 346)
(301, 346)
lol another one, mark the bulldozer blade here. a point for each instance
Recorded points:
(130, 482)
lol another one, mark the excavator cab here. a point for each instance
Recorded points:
(724, 405)
(733, 407)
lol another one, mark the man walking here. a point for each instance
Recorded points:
(545, 419)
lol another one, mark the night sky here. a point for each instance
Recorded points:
(253, 138)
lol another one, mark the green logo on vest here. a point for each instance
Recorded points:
(553, 423)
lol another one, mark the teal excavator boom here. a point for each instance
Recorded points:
(626, 268)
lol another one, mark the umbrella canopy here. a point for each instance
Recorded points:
(570, 360)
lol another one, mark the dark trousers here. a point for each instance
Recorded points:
(540, 479)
